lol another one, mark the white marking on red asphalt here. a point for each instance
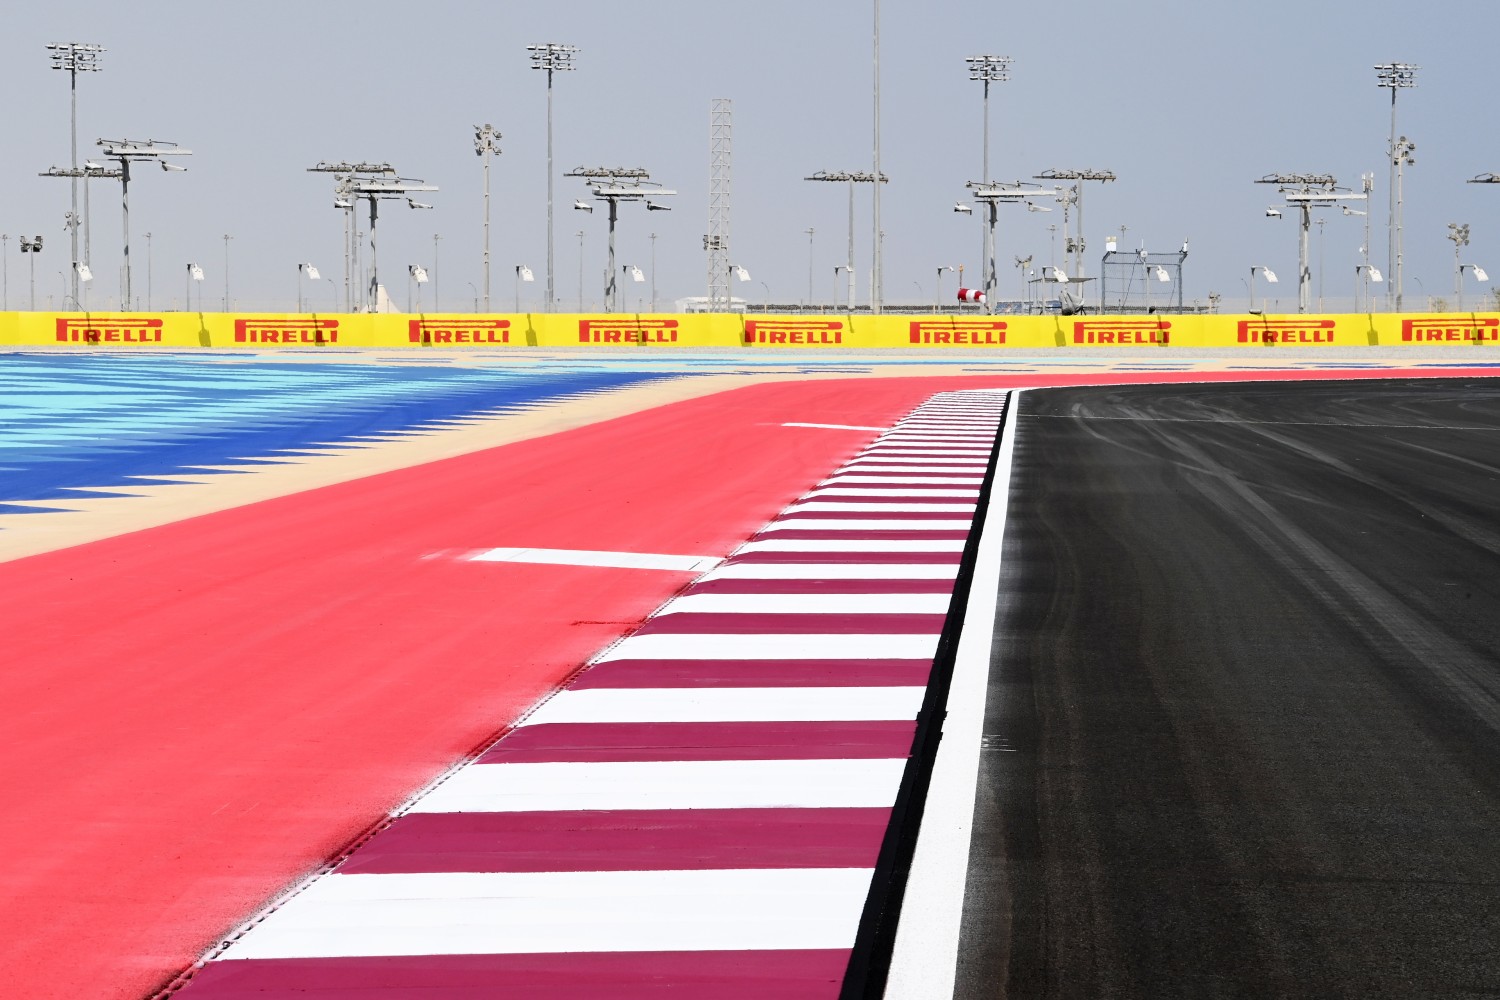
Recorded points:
(882, 524)
(690, 744)
(835, 427)
(729, 705)
(853, 545)
(584, 557)
(487, 913)
(667, 784)
(826, 507)
(815, 604)
(667, 646)
(833, 571)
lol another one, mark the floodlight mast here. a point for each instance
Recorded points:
(75, 58)
(851, 178)
(487, 141)
(1306, 192)
(86, 171)
(1396, 76)
(613, 185)
(127, 151)
(1459, 234)
(992, 196)
(554, 58)
(1071, 244)
(343, 200)
(376, 190)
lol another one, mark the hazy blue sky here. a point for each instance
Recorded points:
(1188, 101)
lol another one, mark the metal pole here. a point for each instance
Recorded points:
(986, 130)
(1400, 196)
(5, 269)
(1322, 241)
(810, 233)
(125, 206)
(227, 238)
(990, 279)
(187, 299)
(73, 222)
(299, 288)
(850, 258)
(88, 229)
(149, 270)
(374, 258)
(1393, 275)
(653, 272)
(33, 281)
(610, 289)
(1304, 272)
(580, 270)
(487, 225)
(437, 303)
(876, 278)
(551, 293)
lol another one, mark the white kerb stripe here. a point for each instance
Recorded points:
(612, 560)
(836, 427)
(712, 704)
(807, 604)
(883, 524)
(489, 913)
(967, 492)
(834, 571)
(670, 784)
(870, 477)
(824, 507)
(666, 646)
(791, 544)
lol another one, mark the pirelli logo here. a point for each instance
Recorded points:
(109, 330)
(1445, 330)
(1287, 331)
(1123, 332)
(794, 332)
(477, 331)
(959, 333)
(645, 331)
(287, 331)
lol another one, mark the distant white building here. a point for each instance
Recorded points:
(700, 304)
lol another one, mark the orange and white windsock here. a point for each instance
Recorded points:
(970, 295)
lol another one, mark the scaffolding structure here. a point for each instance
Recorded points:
(720, 164)
(1137, 281)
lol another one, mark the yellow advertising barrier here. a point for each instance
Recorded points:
(935, 332)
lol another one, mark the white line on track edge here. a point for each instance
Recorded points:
(924, 963)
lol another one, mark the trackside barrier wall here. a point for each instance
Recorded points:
(178, 330)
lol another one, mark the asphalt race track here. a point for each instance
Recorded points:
(1243, 723)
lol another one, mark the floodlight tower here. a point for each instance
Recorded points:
(343, 199)
(992, 196)
(487, 141)
(613, 185)
(75, 58)
(128, 151)
(86, 171)
(1395, 77)
(851, 178)
(988, 70)
(720, 188)
(553, 58)
(1459, 234)
(1075, 245)
(375, 190)
(1306, 192)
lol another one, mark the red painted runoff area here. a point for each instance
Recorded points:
(199, 714)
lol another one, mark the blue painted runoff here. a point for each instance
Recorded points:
(102, 421)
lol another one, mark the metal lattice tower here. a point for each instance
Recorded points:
(720, 163)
